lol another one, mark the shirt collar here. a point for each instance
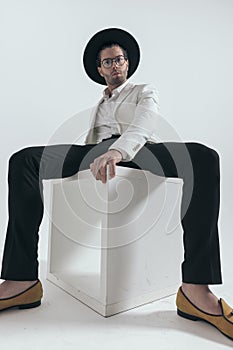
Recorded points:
(116, 91)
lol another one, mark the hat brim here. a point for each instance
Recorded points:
(110, 35)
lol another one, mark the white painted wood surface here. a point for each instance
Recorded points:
(118, 245)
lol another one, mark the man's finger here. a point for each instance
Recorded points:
(103, 172)
(112, 168)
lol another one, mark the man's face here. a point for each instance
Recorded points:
(116, 74)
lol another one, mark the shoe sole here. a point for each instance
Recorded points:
(189, 317)
(195, 318)
(24, 306)
(30, 306)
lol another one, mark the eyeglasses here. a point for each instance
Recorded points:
(108, 62)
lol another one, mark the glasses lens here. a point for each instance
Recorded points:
(120, 60)
(107, 63)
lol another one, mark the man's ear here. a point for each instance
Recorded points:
(127, 62)
(100, 71)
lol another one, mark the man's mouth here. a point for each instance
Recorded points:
(115, 73)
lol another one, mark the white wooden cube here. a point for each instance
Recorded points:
(118, 245)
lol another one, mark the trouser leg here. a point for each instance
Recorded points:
(198, 166)
(27, 169)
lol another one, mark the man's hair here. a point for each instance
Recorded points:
(107, 45)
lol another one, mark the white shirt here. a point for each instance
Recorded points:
(106, 124)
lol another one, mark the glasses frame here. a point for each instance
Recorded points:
(113, 60)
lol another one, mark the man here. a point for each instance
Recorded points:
(123, 131)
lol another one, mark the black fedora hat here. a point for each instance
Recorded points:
(107, 36)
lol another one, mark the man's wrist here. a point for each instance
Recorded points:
(116, 150)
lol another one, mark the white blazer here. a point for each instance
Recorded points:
(136, 112)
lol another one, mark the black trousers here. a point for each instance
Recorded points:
(196, 164)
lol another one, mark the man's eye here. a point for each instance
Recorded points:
(108, 62)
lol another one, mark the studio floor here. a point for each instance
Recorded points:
(64, 323)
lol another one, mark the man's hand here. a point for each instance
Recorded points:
(99, 166)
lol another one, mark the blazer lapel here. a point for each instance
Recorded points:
(124, 93)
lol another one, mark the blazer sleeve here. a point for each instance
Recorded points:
(143, 125)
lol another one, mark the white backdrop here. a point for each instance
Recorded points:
(186, 52)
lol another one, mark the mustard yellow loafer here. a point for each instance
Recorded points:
(30, 298)
(223, 322)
